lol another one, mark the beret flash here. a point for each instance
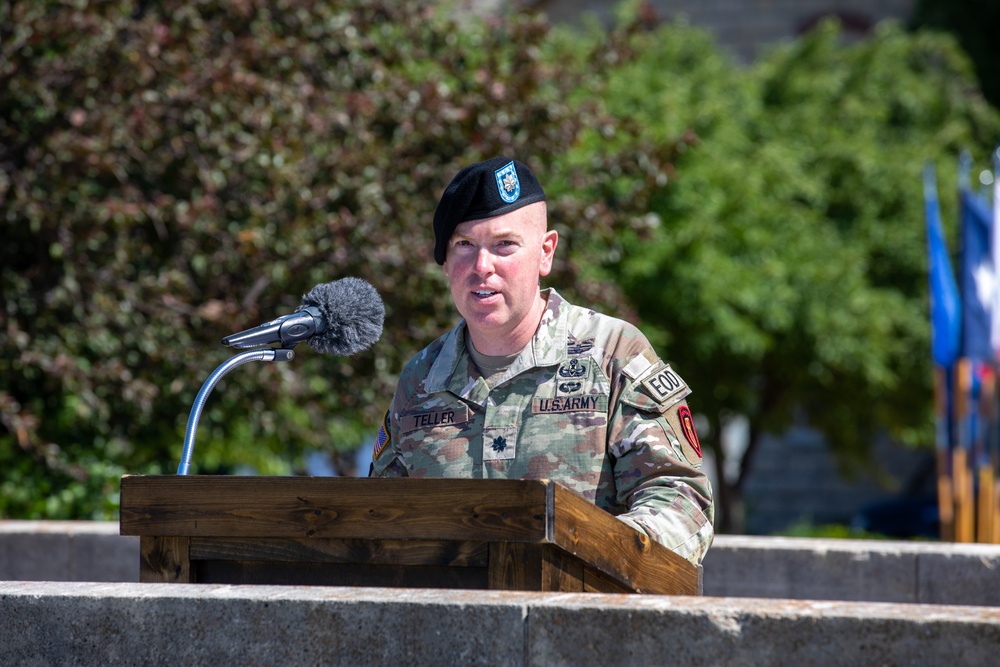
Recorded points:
(483, 190)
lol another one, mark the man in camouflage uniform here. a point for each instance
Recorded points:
(528, 385)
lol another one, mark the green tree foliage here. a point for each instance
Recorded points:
(783, 269)
(173, 172)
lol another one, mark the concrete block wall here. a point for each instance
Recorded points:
(736, 566)
(67, 551)
(796, 479)
(67, 598)
(743, 26)
(47, 623)
(853, 570)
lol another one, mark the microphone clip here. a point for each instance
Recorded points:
(288, 330)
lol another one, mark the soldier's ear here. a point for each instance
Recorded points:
(549, 242)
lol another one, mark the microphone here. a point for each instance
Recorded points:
(342, 318)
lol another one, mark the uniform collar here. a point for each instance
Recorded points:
(454, 371)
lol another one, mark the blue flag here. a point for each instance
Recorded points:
(979, 280)
(945, 306)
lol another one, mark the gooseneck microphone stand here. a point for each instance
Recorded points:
(288, 331)
(268, 354)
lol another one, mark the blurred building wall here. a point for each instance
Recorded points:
(744, 27)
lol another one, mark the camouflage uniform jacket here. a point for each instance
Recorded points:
(587, 403)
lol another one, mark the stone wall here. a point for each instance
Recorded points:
(67, 551)
(736, 566)
(66, 598)
(746, 26)
(68, 624)
(795, 479)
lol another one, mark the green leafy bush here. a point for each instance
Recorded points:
(174, 172)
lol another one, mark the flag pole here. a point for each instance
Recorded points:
(945, 316)
(965, 523)
(985, 500)
(945, 487)
(990, 482)
(962, 478)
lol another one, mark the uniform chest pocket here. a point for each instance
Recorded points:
(434, 441)
(570, 418)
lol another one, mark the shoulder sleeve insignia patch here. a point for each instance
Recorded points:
(682, 423)
(687, 428)
(382, 438)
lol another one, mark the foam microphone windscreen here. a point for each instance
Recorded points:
(352, 312)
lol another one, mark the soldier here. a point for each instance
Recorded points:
(528, 385)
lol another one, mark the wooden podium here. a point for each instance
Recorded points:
(496, 534)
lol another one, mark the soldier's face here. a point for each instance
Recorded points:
(493, 267)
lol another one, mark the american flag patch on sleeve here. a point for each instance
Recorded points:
(382, 439)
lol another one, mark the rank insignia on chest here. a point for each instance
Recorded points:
(499, 443)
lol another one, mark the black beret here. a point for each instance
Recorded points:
(483, 190)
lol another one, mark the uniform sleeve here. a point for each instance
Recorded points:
(385, 455)
(657, 467)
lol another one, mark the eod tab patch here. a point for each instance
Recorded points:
(663, 384)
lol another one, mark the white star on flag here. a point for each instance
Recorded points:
(986, 283)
